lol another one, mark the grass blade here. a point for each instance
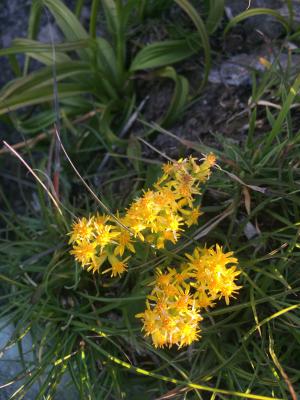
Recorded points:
(179, 98)
(253, 12)
(199, 24)
(283, 112)
(215, 15)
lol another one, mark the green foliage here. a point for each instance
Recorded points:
(100, 67)
(199, 24)
(160, 54)
(85, 325)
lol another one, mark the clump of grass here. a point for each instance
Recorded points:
(90, 322)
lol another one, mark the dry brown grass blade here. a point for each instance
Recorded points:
(213, 223)
(282, 371)
(172, 393)
(237, 179)
(105, 208)
(155, 149)
(29, 143)
(35, 175)
(205, 229)
(56, 172)
(247, 199)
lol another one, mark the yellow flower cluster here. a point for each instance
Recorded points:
(99, 239)
(172, 314)
(211, 277)
(159, 215)
(173, 307)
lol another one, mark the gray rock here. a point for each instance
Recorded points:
(235, 7)
(236, 71)
(14, 15)
(11, 366)
(262, 25)
(49, 32)
(284, 11)
(250, 231)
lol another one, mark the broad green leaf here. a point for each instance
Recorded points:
(33, 26)
(104, 89)
(162, 53)
(47, 58)
(93, 18)
(41, 95)
(215, 15)
(33, 46)
(68, 23)
(78, 7)
(107, 78)
(35, 123)
(107, 62)
(111, 16)
(105, 127)
(14, 65)
(44, 77)
(179, 98)
(117, 14)
(34, 19)
(199, 24)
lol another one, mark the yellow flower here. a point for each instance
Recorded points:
(123, 242)
(170, 320)
(84, 252)
(81, 230)
(183, 300)
(168, 169)
(202, 171)
(105, 235)
(91, 239)
(173, 306)
(182, 276)
(97, 262)
(117, 266)
(100, 220)
(213, 279)
(191, 216)
(162, 280)
(150, 318)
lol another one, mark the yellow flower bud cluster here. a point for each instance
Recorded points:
(159, 215)
(173, 307)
